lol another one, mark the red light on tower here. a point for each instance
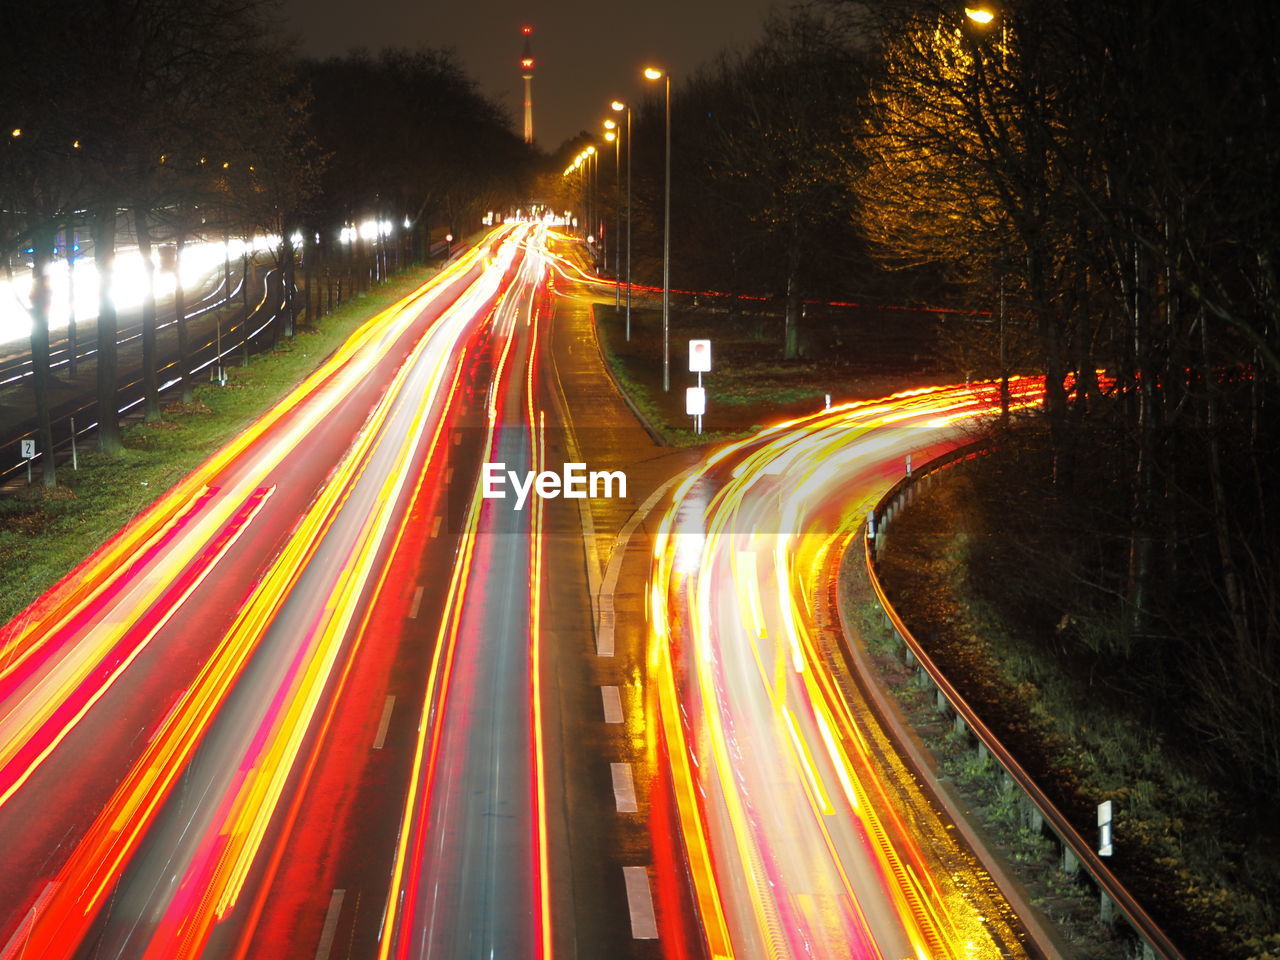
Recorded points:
(526, 73)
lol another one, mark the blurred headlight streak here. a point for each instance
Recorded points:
(782, 865)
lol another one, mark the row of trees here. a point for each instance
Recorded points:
(176, 122)
(763, 141)
(1108, 172)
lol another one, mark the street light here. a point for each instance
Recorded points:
(618, 106)
(979, 14)
(593, 165)
(613, 135)
(653, 73)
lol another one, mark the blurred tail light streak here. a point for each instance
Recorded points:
(783, 865)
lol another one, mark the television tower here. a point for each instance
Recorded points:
(526, 71)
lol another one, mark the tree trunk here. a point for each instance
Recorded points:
(791, 325)
(1222, 532)
(1141, 539)
(287, 278)
(150, 377)
(70, 237)
(41, 242)
(104, 253)
(180, 319)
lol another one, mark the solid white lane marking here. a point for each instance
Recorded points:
(624, 788)
(435, 527)
(330, 929)
(605, 631)
(605, 626)
(612, 704)
(644, 925)
(417, 601)
(385, 722)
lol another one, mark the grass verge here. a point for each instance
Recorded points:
(45, 533)
(853, 357)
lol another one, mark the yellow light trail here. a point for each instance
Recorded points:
(850, 877)
(98, 859)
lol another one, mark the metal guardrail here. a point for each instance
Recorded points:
(1076, 850)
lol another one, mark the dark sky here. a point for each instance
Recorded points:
(587, 52)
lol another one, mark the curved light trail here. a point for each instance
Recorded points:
(796, 845)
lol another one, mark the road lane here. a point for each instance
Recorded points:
(807, 854)
(286, 447)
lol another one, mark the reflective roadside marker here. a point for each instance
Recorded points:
(1104, 829)
(695, 401)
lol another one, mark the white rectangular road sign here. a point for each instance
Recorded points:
(695, 401)
(699, 356)
(1105, 841)
(28, 449)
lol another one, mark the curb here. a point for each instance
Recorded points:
(654, 433)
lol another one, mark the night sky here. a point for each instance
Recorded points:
(587, 52)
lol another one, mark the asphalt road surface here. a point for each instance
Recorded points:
(325, 699)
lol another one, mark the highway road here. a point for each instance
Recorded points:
(324, 699)
(171, 682)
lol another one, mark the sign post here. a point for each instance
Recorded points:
(28, 454)
(699, 363)
(695, 405)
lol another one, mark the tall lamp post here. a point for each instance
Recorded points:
(983, 17)
(574, 167)
(652, 73)
(619, 106)
(611, 135)
(593, 172)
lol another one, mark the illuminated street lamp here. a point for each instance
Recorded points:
(653, 73)
(613, 135)
(618, 106)
(593, 227)
(983, 16)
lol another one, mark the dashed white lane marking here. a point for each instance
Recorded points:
(624, 788)
(417, 602)
(435, 527)
(330, 928)
(644, 925)
(612, 704)
(385, 722)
